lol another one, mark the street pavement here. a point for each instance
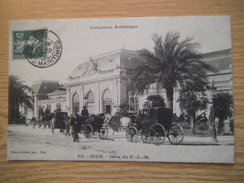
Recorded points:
(121, 136)
(196, 140)
(188, 140)
(26, 143)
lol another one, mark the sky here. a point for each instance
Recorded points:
(81, 39)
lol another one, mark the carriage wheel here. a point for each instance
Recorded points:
(176, 134)
(157, 134)
(103, 132)
(132, 134)
(88, 131)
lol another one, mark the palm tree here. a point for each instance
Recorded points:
(124, 109)
(223, 108)
(193, 97)
(18, 96)
(171, 63)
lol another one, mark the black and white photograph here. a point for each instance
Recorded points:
(145, 89)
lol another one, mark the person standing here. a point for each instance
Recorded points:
(84, 112)
(76, 130)
(231, 125)
(84, 115)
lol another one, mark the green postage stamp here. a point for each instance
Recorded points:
(42, 48)
(36, 43)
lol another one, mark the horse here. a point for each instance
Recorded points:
(116, 123)
(34, 122)
(125, 122)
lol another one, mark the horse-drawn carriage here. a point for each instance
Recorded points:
(58, 120)
(90, 125)
(154, 125)
(95, 124)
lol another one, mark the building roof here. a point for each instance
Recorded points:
(121, 58)
(44, 87)
(128, 59)
(222, 59)
(59, 91)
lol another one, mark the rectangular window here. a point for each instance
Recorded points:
(49, 107)
(134, 104)
(75, 109)
(107, 106)
(58, 106)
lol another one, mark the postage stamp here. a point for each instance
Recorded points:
(41, 48)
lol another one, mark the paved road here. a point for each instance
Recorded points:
(41, 144)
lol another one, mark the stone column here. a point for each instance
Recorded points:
(35, 106)
(97, 98)
(68, 102)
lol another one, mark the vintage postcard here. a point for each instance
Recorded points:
(151, 89)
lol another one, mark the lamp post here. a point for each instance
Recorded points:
(214, 133)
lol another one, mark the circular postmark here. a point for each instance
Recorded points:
(43, 48)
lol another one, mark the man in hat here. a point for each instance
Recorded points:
(84, 112)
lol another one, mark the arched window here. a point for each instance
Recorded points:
(75, 104)
(107, 101)
(90, 102)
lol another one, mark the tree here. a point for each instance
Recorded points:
(223, 108)
(193, 97)
(124, 109)
(172, 62)
(18, 96)
(156, 100)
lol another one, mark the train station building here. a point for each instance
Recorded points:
(101, 84)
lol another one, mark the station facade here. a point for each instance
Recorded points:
(101, 84)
